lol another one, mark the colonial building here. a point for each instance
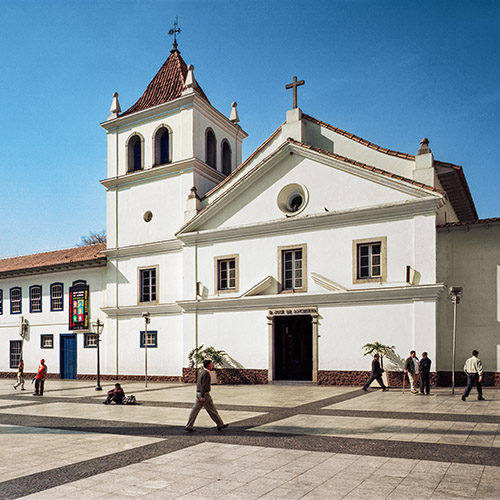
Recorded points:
(318, 243)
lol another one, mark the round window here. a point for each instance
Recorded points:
(292, 199)
(148, 216)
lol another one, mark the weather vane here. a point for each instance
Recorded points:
(175, 30)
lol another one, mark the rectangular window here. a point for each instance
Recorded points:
(15, 301)
(35, 298)
(370, 260)
(56, 297)
(147, 285)
(1, 301)
(47, 341)
(15, 353)
(226, 269)
(90, 340)
(292, 268)
(152, 339)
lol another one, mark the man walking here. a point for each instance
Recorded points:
(40, 377)
(424, 368)
(411, 368)
(376, 374)
(474, 370)
(203, 398)
(20, 376)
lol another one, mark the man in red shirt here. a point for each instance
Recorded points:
(40, 377)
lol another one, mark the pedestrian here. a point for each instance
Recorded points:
(203, 398)
(411, 368)
(473, 368)
(376, 374)
(40, 377)
(424, 368)
(20, 375)
(115, 395)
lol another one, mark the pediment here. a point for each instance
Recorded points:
(327, 185)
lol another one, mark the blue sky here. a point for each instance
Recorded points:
(391, 72)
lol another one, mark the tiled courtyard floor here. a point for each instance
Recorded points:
(283, 442)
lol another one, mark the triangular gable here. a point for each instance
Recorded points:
(252, 197)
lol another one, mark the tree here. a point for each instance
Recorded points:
(93, 239)
(380, 349)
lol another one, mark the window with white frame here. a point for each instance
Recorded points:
(35, 298)
(47, 341)
(56, 297)
(1, 301)
(148, 285)
(292, 268)
(370, 260)
(90, 340)
(152, 338)
(15, 300)
(227, 273)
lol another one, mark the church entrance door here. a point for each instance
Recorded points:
(293, 348)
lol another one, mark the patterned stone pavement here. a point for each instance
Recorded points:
(284, 441)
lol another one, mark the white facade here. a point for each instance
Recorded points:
(312, 194)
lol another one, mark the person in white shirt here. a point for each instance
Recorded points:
(473, 368)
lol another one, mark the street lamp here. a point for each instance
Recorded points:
(97, 328)
(455, 293)
(147, 320)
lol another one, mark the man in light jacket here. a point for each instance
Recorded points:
(473, 368)
(411, 368)
(203, 398)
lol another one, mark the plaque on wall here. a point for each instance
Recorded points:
(79, 306)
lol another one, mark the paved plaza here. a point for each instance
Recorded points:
(284, 442)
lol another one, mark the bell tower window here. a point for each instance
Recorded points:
(211, 145)
(226, 158)
(162, 146)
(134, 153)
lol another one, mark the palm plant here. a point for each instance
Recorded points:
(380, 349)
(200, 353)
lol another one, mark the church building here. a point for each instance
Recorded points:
(289, 261)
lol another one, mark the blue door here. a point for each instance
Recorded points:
(67, 361)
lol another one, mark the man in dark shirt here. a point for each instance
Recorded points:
(376, 374)
(424, 367)
(203, 398)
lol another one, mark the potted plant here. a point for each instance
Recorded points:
(382, 350)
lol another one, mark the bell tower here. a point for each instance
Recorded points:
(171, 140)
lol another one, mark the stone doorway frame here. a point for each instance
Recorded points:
(293, 311)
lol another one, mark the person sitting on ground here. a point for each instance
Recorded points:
(115, 395)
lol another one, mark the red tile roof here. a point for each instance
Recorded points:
(492, 220)
(353, 137)
(452, 178)
(365, 166)
(166, 85)
(50, 261)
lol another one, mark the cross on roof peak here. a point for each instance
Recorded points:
(294, 86)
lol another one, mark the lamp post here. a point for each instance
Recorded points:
(97, 328)
(147, 320)
(455, 293)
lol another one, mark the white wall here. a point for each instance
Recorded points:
(47, 322)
